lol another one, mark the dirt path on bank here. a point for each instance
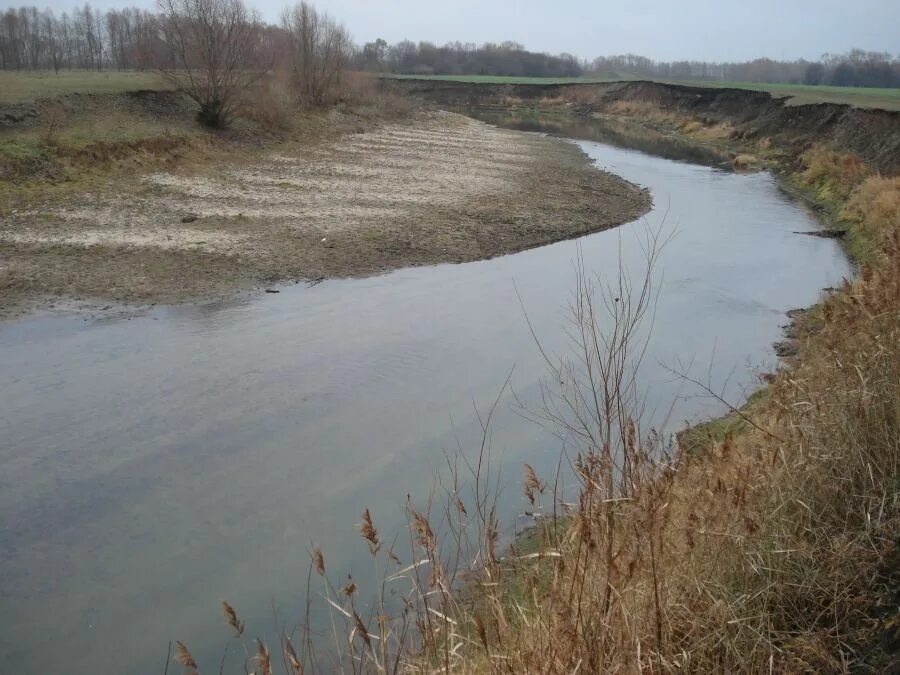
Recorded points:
(441, 188)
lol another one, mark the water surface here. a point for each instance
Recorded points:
(150, 467)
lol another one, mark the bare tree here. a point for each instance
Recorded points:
(319, 51)
(54, 46)
(214, 43)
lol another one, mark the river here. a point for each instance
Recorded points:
(152, 466)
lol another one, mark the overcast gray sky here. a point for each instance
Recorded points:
(714, 30)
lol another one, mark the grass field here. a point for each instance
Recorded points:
(797, 94)
(504, 79)
(18, 87)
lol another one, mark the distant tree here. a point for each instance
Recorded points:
(319, 49)
(456, 58)
(681, 70)
(844, 75)
(215, 48)
(815, 74)
(373, 55)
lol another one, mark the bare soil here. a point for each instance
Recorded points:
(439, 188)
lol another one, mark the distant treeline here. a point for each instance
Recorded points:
(457, 58)
(90, 39)
(133, 38)
(857, 68)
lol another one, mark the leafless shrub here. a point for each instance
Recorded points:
(215, 48)
(367, 94)
(319, 49)
(270, 102)
(53, 117)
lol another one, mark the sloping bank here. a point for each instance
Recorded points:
(336, 193)
(767, 541)
(871, 134)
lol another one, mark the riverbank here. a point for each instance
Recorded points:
(276, 419)
(751, 119)
(762, 541)
(191, 215)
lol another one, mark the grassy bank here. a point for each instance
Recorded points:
(72, 131)
(21, 86)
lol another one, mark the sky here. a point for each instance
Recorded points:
(710, 30)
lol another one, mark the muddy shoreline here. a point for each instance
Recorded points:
(436, 189)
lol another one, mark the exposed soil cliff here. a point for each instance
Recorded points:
(874, 135)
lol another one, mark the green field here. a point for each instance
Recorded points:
(797, 94)
(21, 86)
(504, 79)
(17, 87)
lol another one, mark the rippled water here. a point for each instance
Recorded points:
(150, 467)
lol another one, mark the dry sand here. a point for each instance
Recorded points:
(440, 188)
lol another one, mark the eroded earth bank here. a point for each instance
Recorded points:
(438, 188)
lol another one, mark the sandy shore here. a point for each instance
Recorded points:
(441, 188)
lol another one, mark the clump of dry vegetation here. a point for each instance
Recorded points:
(651, 113)
(864, 202)
(646, 110)
(744, 161)
(270, 104)
(834, 175)
(874, 209)
(581, 95)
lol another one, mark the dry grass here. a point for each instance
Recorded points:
(691, 127)
(717, 131)
(366, 91)
(833, 175)
(745, 161)
(642, 109)
(772, 551)
(24, 86)
(648, 112)
(864, 202)
(581, 95)
(874, 209)
(270, 104)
